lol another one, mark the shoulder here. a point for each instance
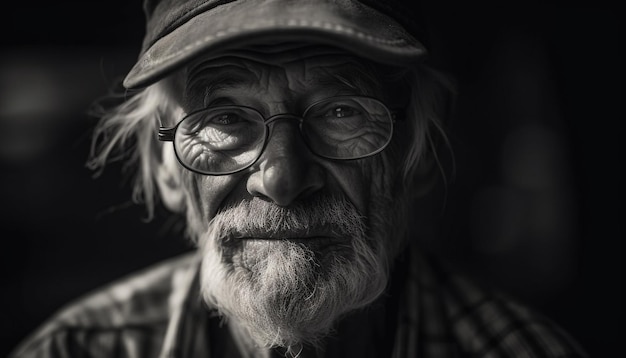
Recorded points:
(489, 323)
(133, 306)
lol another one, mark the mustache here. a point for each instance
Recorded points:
(320, 215)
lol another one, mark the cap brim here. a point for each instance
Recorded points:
(348, 25)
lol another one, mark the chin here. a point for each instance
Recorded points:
(289, 291)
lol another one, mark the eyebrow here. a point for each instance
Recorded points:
(350, 76)
(211, 78)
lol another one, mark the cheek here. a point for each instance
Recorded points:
(346, 178)
(380, 173)
(205, 195)
(363, 180)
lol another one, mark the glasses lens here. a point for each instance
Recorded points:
(347, 127)
(220, 140)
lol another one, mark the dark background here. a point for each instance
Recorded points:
(535, 206)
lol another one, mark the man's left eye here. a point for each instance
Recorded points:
(341, 112)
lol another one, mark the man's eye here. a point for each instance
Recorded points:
(341, 112)
(225, 119)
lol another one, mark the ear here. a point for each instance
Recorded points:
(168, 180)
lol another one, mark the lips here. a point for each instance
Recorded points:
(320, 244)
(310, 234)
(248, 250)
(313, 242)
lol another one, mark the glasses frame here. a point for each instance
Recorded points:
(168, 134)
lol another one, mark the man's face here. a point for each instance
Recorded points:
(296, 240)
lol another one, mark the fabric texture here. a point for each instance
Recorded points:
(179, 31)
(158, 312)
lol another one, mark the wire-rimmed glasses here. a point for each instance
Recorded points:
(227, 139)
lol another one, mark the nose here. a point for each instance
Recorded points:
(287, 170)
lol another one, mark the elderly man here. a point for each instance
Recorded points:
(294, 136)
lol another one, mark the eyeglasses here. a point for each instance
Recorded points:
(224, 140)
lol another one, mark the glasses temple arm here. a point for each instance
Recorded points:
(166, 134)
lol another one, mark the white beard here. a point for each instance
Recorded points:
(284, 292)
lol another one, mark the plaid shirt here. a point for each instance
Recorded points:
(158, 313)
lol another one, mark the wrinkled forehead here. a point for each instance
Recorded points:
(314, 66)
(308, 62)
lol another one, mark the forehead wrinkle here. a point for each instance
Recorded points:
(296, 77)
(208, 77)
(350, 75)
(267, 85)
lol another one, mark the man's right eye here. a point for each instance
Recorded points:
(224, 119)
